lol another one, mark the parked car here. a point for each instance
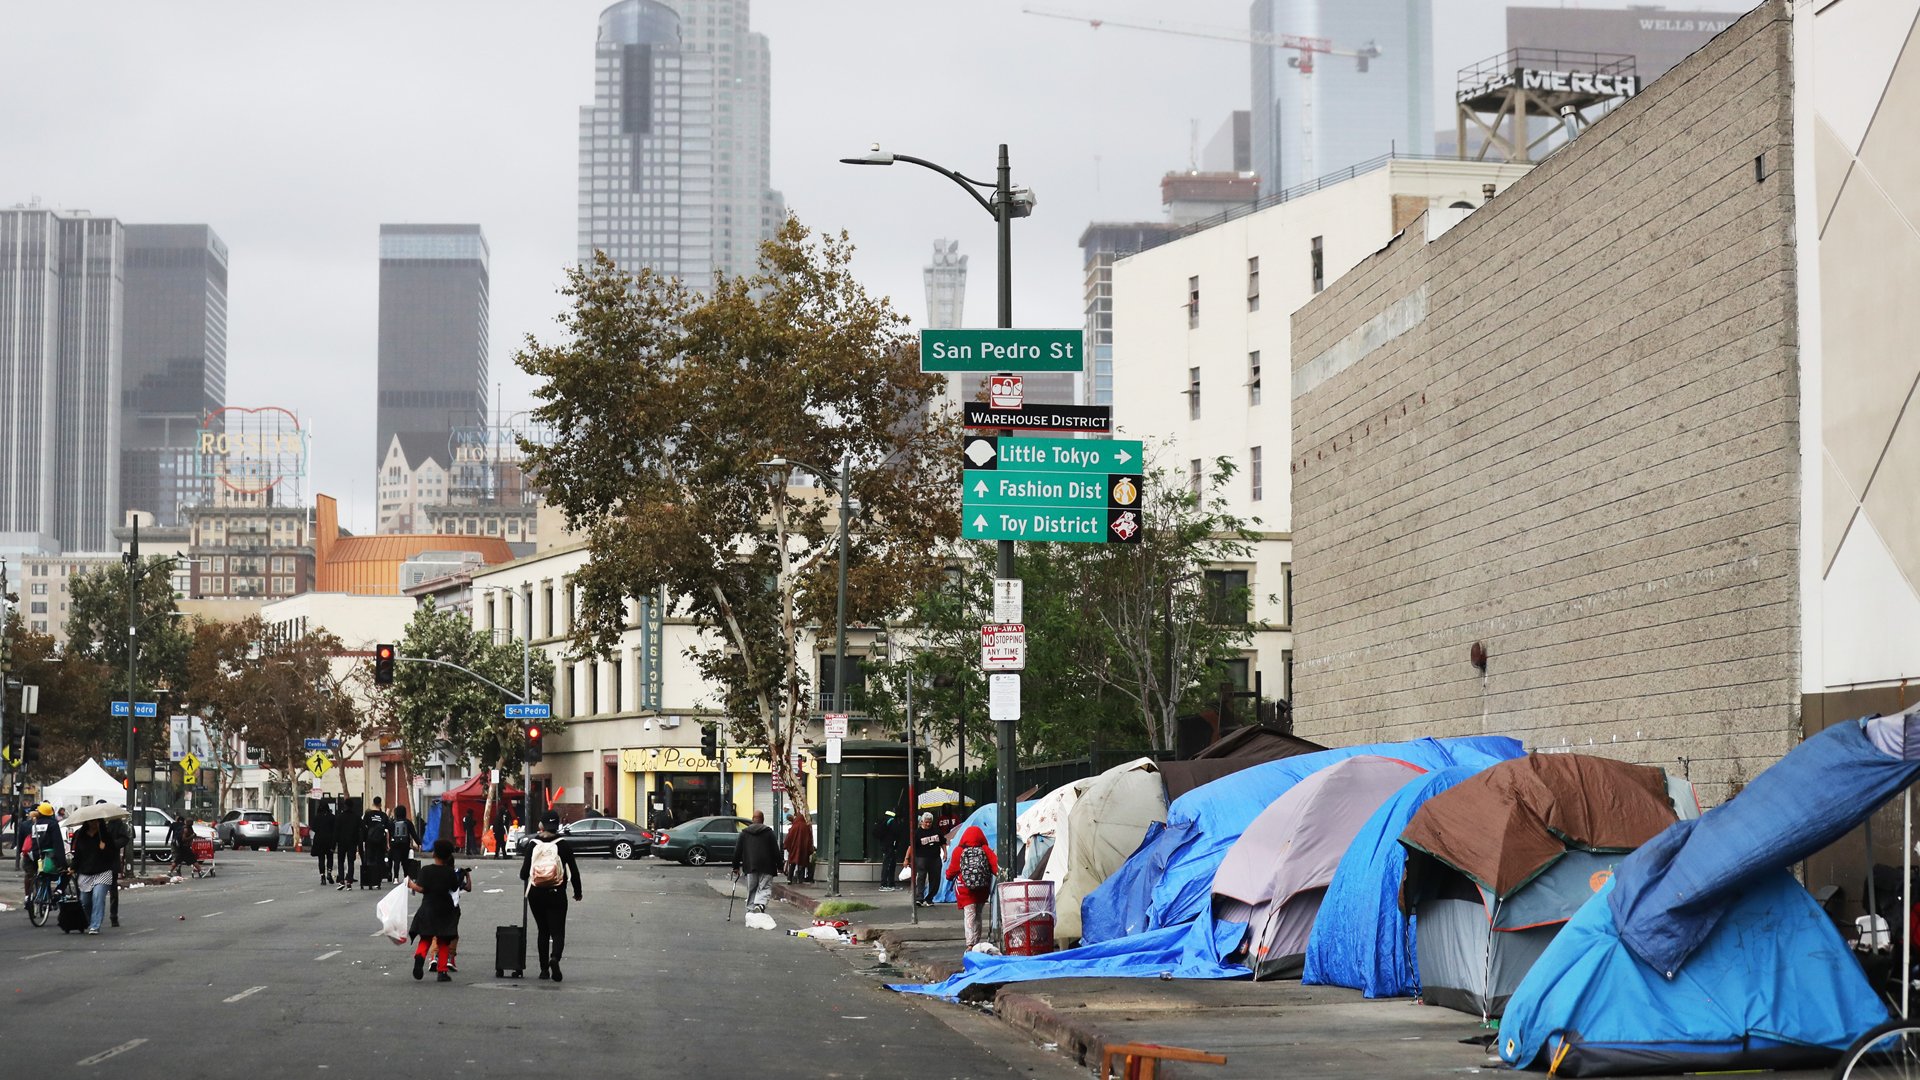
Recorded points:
(251, 828)
(702, 840)
(617, 837)
(150, 832)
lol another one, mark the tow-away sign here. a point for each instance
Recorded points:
(1003, 647)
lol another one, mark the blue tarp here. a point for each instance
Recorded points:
(1773, 980)
(1169, 880)
(1192, 951)
(1360, 938)
(988, 818)
(431, 830)
(1674, 889)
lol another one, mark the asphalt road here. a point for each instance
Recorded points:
(263, 972)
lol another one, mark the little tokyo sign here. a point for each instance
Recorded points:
(1076, 490)
(1001, 350)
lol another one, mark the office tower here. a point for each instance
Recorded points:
(1656, 39)
(61, 302)
(1100, 245)
(174, 348)
(433, 332)
(674, 161)
(1347, 110)
(946, 278)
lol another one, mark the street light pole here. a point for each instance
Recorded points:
(132, 560)
(839, 683)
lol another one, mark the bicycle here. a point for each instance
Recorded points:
(49, 891)
(1890, 1051)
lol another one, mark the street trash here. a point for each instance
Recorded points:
(985, 947)
(818, 933)
(759, 920)
(392, 912)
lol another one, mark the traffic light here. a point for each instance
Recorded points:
(534, 748)
(383, 665)
(710, 740)
(30, 744)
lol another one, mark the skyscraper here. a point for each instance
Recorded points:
(174, 344)
(61, 304)
(433, 332)
(674, 161)
(1308, 126)
(946, 279)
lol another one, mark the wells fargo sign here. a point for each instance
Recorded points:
(251, 450)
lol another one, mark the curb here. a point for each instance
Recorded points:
(1033, 1015)
(795, 897)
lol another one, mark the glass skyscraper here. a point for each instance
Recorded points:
(1355, 114)
(433, 332)
(175, 356)
(674, 163)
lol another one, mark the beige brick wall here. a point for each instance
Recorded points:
(1583, 457)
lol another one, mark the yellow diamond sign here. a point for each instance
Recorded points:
(318, 763)
(190, 764)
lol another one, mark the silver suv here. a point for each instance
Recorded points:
(249, 828)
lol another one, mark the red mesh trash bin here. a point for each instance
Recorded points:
(1026, 918)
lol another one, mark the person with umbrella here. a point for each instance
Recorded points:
(94, 853)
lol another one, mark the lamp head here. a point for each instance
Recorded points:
(874, 156)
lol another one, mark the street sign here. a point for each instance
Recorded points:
(1003, 647)
(189, 777)
(1075, 490)
(29, 700)
(1096, 419)
(988, 490)
(833, 751)
(836, 724)
(1002, 350)
(255, 753)
(1003, 697)
(115, 763)
(147, 709)
(190, 764)
(1085, 525)
(536, 711)
(1013, 453)
(314, 744)
(779, 782)
(1008, 594)
(1006, 392)
(318, 762)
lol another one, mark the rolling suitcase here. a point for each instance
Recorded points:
(73, 915)
(509, 951)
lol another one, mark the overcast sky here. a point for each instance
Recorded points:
(295, 130)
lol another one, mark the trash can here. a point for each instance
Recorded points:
(1026, 918)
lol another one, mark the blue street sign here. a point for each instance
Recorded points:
(147, 709)
(119, 708)
(115, 763)
(314, 744)
(529, 712)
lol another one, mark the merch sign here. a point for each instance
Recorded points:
(1603, 84)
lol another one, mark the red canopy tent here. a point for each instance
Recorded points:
(472, 795)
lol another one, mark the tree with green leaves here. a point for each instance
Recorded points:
(666, 404)
(97, 625)
(74, 719)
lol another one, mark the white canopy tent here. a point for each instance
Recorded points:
(84, 786)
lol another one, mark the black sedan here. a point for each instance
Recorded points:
(617, 837)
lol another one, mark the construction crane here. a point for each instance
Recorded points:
(1307, 47)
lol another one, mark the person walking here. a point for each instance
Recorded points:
(972, 869)
(44, 850)
(926, 862)
(890, 837)
(374, 833)
(400, 844)
(437, 923)
(322, 827)
(122, 835)
(93, 855)
(500, 832)
(547, 867)
(798, 845)
(758, 855)
(469, 839)
(180, 838)
(346, 843)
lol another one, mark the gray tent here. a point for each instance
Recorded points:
(1104, 828)
(1276, 874)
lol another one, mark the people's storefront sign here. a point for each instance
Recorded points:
(678, 759)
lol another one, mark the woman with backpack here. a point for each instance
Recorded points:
(972, 869)
(400, 845)
(547, 868)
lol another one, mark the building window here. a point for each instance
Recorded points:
(1286, 675)
(39, 588)
(1253, 284)
(1286, 593)
(1253, 377)
(1196, 477)
(1226, 597)
(1193, 302)
(1253, 471)
(1193, 393)
(1319, 266)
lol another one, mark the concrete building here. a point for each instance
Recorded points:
(1347, 110)
(413, 477)
(433, 333)
(62, 301)
(1199, 347)
(674, 150)
(946, 281)
(249, 552)
(174, 348)
(1230, 150)
(1657, 39)
(43, 583)
(373, 565)
(1620, 463)
(1101, 244)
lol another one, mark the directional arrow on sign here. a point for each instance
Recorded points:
(980, 521)
(1122, 456)
(980, 488)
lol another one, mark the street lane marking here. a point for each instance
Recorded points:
(148, 930)
(37, 955)
(105, 1054)
(327, 956)
(268, 900)
(211, 914)
(248, 992)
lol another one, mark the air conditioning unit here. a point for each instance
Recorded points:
(669, 721)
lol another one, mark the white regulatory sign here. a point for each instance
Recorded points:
(1003, 647)
(1003, 697)
(833, 750)
(1007, 593)
(836, 725)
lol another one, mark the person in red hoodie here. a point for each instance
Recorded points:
(972, 869)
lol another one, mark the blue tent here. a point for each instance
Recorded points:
(1169, 880)
(988, 818)
(1773, 987)
(431, 830)
(1361, 939)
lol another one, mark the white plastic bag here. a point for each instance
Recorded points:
(759, 920)
(392, 912)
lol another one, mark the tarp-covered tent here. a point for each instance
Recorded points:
(84, 786)
(987, 817)
(1362, 939)
(1107, 824)
(1241, 748)
(1274, 877)
(1499, 862)
(1044, 826)
(472, 795)
(1705, 954)
(1169, 879)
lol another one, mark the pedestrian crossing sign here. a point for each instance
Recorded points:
(318, 763)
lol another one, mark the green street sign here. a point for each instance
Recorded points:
(1084, 525)
(1006, 453)
(1002, 350)
(996, 491)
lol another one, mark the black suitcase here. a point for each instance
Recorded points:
(509, 951)
(73, 916)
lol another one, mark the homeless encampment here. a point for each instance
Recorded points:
(987, 819)
(1042, 827)
(1241, 748)
(1498, 863)
(1705, 954)
(1106, 824)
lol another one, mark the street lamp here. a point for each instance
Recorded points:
(1004, 204)
(781, 466)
